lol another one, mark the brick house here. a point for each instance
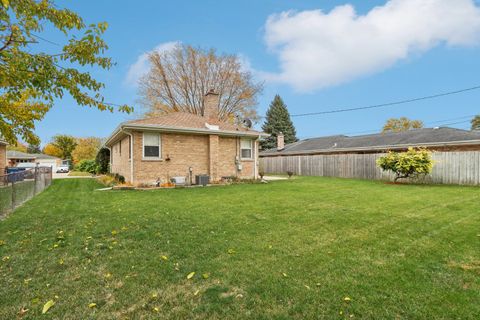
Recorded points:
(183, 144)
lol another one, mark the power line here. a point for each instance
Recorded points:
(46, 40)
(388, 104)
(428, 123)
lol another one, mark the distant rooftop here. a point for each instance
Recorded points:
(11, 154)
(380, 141)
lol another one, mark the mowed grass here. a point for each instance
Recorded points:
(306, 248)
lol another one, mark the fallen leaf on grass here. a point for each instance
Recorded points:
(92, 305)
(22, 312)
(196, 292)
(231, 251)
(164, 258)
(47, 306)
(6, 258)
(190, 275)
(156, 309)
(346, 299)
(284, 274)
(2, 243)
(114, 232)
(205, 275)
(306, 286)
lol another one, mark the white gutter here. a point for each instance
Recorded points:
(375, 148)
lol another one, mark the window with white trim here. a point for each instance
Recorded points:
(246, 148)
(151, 145)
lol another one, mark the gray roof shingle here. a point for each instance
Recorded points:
(380, 141)
(12, 154)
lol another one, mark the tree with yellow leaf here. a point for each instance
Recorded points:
(31, 79)
(52, 150)
(86, 149)
(18, 146)
(401, 124)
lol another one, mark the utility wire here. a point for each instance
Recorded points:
(428, 123)
(388, 104)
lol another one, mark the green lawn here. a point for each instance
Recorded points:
(292, 249)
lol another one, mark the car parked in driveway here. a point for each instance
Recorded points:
(63, 169)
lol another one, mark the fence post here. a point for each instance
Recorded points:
(13, 190)
(35, 179)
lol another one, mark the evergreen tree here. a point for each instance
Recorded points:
(33, 148)
(278, 121)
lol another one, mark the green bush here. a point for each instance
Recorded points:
(103, 160)
(89, 166)
(411, 163)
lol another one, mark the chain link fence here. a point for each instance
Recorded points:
(20, 186)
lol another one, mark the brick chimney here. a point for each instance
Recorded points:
(280, 141)
(210, 105)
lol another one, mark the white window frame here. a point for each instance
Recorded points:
(251, 149)
(159, 146)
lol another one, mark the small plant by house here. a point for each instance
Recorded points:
(290, 174)
(409, 164)
(111, 180)
(89, 166)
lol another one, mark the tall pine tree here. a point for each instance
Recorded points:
(278, 120)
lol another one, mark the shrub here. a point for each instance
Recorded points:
(103, 160)
(408, 164)
(119, 178)
(89, 166)
(107, 180)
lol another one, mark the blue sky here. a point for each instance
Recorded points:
(356, 58)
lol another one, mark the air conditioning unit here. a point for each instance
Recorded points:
(202, 179)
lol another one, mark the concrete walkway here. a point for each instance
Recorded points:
(274, 178)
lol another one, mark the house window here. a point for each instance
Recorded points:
(246, 149)
(151, 145)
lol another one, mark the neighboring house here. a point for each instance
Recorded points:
(3, 156)
(456, 155)
(16, 157)
(43, 160)
(439, 139)
(185, 145)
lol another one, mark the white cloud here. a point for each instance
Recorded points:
(142, 65)
(318, 49)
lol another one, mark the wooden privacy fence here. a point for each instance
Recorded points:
(449, 168)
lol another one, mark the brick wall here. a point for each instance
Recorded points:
(3, 158)
(184, 151)
(205, 154)
(227, 147)
(120, 158)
